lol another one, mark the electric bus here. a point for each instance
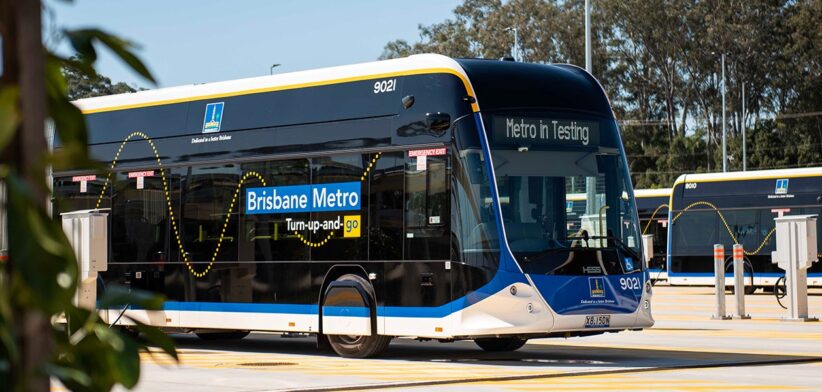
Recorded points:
(652, 207)
(737, 207)
(421, 197)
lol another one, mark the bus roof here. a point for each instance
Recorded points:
(412, 65)
(663, 192)
(749, 175)
(511, 85)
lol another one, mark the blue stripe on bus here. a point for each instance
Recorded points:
(239, 307)
(390, 311)
(505, 261)
(730, 274)
(500, 281)
(346, 311)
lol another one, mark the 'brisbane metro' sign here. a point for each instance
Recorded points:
(341, 196)
(546, 131)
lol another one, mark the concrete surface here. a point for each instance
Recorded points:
(685, 351)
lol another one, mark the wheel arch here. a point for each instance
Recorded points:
(338, 271)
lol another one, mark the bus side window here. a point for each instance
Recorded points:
(265, 237)
(139, 218)
(347, 245)
(386, 207)
(427, 215)
(71, 195)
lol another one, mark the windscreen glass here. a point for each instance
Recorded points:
(566, 198)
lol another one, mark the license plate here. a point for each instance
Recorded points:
(598, 321)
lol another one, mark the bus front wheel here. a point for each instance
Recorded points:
(500, 344)
(359, 346)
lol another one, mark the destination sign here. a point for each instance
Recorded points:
(341, 196)
(544, 131)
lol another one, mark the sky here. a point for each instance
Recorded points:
(188, 41)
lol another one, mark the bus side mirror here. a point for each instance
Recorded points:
(437, 121)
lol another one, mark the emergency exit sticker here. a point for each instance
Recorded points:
(140, 176)
(422, 161)
(83, 180)
(426, 152)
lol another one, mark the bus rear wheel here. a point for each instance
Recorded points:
(500, 344)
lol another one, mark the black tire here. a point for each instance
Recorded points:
(748, 270)
(749, 289)
(350, 346)
(500, 344)
(130, 332)
(234, 335)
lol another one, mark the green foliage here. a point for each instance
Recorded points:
(40, 278)
(659, 62)
(84, 84)
(83, 41)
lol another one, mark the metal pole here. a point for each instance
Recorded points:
(515, 47)
(590, 182)
(724, 137)
(588, 36)
(709, 140)
(719, 285)
(744, 140)
(739, 281)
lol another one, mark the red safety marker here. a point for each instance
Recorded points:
(780, 211)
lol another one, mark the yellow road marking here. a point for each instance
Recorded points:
(694, 350)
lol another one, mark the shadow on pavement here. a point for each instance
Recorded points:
(543, 354)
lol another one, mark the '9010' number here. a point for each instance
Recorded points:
(385, 86)
(630, 283)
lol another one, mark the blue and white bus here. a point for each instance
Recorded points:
(737, 207)
(421, 197)
(652, 207)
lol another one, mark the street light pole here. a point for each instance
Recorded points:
(724, 136)
(590, 182)
(271, 70)
(588, 36)
(744, 140)
(515, 48)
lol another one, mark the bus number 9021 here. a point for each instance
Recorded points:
(630, 283)
(385, 86)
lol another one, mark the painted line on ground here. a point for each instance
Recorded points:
(620, 371)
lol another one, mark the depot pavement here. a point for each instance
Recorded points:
(685, 350)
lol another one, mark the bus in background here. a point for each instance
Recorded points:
(737, 207)
(419, 197)
(652, 208)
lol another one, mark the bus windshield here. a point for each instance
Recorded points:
(567, 209)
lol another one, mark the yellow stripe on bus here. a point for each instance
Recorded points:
(468, 88)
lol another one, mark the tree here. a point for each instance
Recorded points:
(659, 62)
(38, 280)
(83, 85)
